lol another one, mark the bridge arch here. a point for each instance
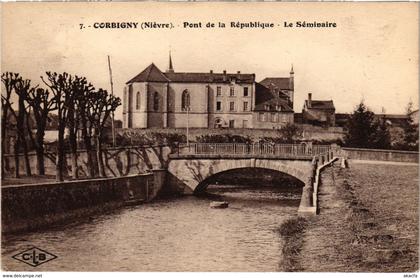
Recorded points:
(256, 175)
(193, 172)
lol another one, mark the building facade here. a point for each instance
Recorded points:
(318, 112)
(156, 99)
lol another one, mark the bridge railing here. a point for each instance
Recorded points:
(240, 149)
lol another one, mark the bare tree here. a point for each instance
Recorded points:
(101, 105)
(9, 80)
(42, 104)
(22, 89)
(82, 90)
(62, 90)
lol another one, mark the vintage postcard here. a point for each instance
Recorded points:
(209, 137)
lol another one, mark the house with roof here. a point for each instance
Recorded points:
(272, 109)
(157, 99)
(318, 112)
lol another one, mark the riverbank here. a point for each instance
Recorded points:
(29, 207)
(368, 221)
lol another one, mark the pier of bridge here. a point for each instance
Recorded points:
(192, 164)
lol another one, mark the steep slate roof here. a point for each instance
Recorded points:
(280, 82)
(264, 97)
(150, 74)
(321, 104)
(198, 77)
(153, 74)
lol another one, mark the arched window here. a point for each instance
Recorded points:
(138, 101)
(156, 101)
(185, 100)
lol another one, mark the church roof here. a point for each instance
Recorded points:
(282, 83)
(150, 74)
(198, 77)
(153, 74)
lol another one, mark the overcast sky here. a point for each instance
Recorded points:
(372, 54)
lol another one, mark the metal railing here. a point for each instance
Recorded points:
(240, 149)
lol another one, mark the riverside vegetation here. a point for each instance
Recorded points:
(368, 222)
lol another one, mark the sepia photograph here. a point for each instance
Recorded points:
(210, 137)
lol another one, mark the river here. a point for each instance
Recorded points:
(182, 234)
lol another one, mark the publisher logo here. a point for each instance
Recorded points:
(34, 256)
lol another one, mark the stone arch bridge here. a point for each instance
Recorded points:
(192, 172)
(195, 163)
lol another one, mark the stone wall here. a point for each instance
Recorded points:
(28, 207)
(119, 162)
(383, 155)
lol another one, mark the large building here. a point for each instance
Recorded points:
(156, 99)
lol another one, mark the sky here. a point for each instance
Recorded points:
(372, 54)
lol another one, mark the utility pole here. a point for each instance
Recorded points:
(188, 126)
(112, 93)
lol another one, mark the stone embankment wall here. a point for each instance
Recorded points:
(383, 155)
(29, 207)
(120, 161)
(309, 199)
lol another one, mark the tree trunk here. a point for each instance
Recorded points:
(26, 157)
(89, 153)
(16, 151)
(60, 155)
(72, 125)
(21, 133)
(40, 161)
(40, 152)
(73, 146)
(99, 157)
(3, 139)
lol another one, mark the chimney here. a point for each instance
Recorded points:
(239, 72)
(211, 71)
(224, 76)
(309, 100)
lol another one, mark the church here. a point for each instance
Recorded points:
(156, 99)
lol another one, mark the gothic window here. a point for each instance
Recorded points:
(156, 101)
(138, 101)
(185, 100)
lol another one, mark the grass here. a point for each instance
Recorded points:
(292, 226)
(368, 221)
(292, 232)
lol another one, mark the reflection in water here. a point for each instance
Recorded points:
(182, 234)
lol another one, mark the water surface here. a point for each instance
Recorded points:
(182, 234)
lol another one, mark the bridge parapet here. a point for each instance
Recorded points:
(265, 150)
